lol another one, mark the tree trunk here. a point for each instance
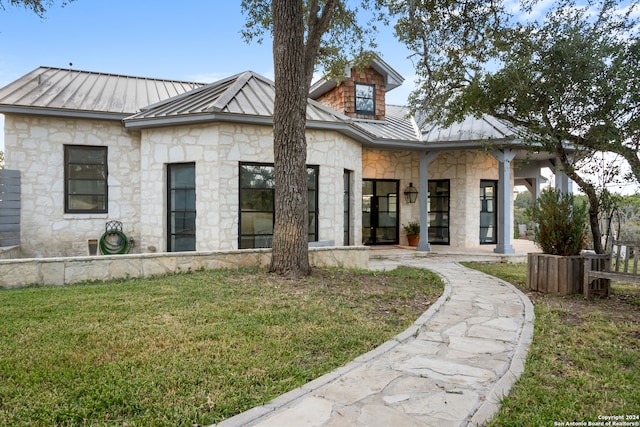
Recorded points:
(290, 234)
(594, 206)
(631, 156)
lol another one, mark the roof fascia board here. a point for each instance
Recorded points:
(441, 146)
(76, 114)
(347, 129)
(196, 119)
(472, 144)
(393, 78)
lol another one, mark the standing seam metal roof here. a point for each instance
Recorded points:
(147, 102)
(245, 94)
(68, 89)
(470, 129)
(398, 125)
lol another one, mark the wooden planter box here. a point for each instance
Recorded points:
(554, 273)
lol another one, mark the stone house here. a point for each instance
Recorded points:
(186, 166)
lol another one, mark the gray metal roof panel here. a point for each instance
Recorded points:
(67, 89)
(398, 125)
(470, 129)
(245, 94)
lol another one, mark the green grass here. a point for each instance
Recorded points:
(584, 360)
(190, 349)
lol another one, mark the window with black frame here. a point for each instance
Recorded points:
(439, 211)
(257, 204)
(346, 200)
(181, 202)
(85, 178)
(488, 212)
(365, 99)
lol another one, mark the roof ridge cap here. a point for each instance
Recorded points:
(130, 76)
(231, 92)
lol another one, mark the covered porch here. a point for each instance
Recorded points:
(517, 165)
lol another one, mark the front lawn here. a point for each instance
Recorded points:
(190, 349)
(584, 362)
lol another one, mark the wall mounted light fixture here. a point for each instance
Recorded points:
(410, 193)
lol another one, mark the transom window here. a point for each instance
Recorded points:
(85, 178)
(365, 99)
(257, 204)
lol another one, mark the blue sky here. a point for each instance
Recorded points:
(194, 40)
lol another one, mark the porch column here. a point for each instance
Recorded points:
(562, 181)
(533, 185)
(426, 157)
(504, 158)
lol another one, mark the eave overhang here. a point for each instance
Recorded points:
(347, 128)
(55, 112)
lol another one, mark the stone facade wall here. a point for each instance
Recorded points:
(217, 151)
(464, 168)
(335, 153)
(342, 98)
(138, 173)
(137, 163)
(64, 271)
(35, 146)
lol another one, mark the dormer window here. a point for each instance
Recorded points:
(365, 99)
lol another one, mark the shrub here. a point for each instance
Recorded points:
(562, 224)
(413, 228)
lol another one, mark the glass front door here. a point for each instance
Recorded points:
(380, 211)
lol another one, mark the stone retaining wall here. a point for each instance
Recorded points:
(63, 271)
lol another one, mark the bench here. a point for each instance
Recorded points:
(621, 265)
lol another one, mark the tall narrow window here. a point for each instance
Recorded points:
(181, 204)
(257, 204)
(365, 99)
(439, 211)
(346, 241)
(85, 178)
(488, 212)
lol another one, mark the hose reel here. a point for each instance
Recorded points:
(114, 241)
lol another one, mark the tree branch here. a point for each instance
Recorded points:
(318, 24)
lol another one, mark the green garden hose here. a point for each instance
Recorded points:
(114, 242)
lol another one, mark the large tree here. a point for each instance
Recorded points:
(569, 81)
(305, 33)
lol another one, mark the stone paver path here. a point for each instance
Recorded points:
(451, 368)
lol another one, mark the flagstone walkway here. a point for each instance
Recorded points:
(450, 368)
